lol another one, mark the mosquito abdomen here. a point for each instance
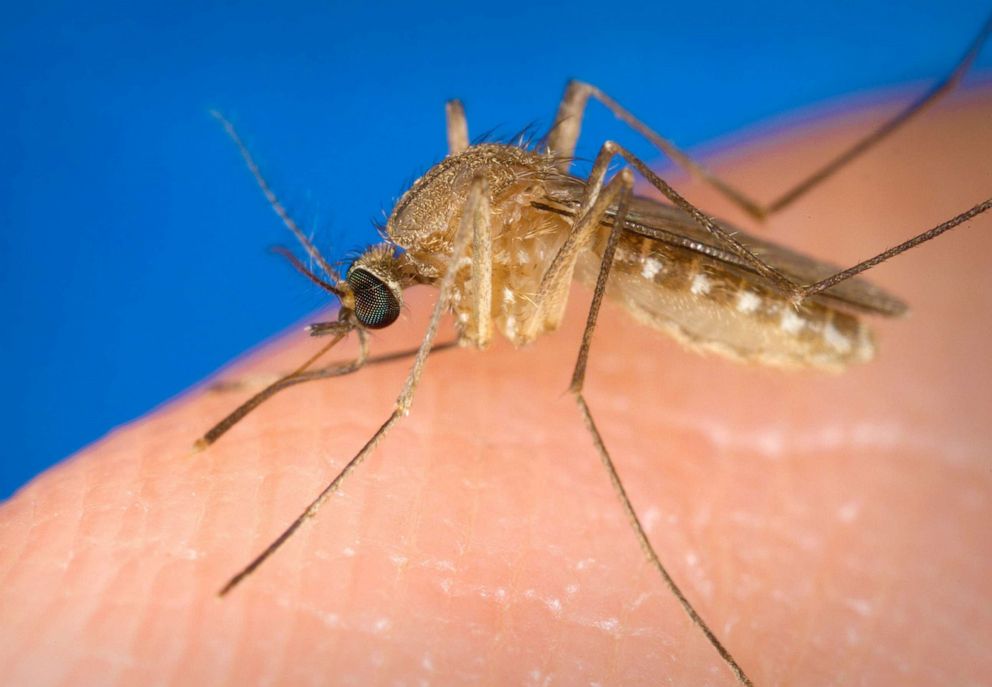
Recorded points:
(709, 306)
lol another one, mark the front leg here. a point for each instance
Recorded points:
(481, 319)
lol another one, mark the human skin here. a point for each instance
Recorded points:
(832, 529)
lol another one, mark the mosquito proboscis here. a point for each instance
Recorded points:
(502, 230)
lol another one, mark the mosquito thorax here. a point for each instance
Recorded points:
(422, 219)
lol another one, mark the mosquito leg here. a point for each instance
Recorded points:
(338, 369)
(475, 205)
(482, 274)
(564, 133)
(797, 292)
(568, 122)
(556, 280)
(611, 149)
(375, 360)
(277, 206)
(470, 215)
(553, 289)
(297, 376)
(844, 275)
(624, 189)
(882, 131)
(457, 127)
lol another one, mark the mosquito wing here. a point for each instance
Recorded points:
(676, 228)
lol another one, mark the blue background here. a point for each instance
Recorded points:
(133, 243)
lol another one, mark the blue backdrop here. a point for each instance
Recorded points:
(133, 243)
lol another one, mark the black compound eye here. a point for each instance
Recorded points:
(375, 305)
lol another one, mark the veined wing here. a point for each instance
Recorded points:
(675, 227)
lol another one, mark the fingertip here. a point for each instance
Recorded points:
(487, 514)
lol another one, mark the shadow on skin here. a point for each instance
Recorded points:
(831, 529)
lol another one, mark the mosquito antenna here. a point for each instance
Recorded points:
(302, 269)
(273, 199)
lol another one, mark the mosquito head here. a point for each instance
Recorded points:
(376, 281)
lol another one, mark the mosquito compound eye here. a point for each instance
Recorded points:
(375, 304)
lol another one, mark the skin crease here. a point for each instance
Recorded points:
(832, 529)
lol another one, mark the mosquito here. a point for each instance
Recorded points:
(502, 230)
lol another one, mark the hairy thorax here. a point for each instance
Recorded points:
(524, 238)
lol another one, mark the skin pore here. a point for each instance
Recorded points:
(831, 529)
